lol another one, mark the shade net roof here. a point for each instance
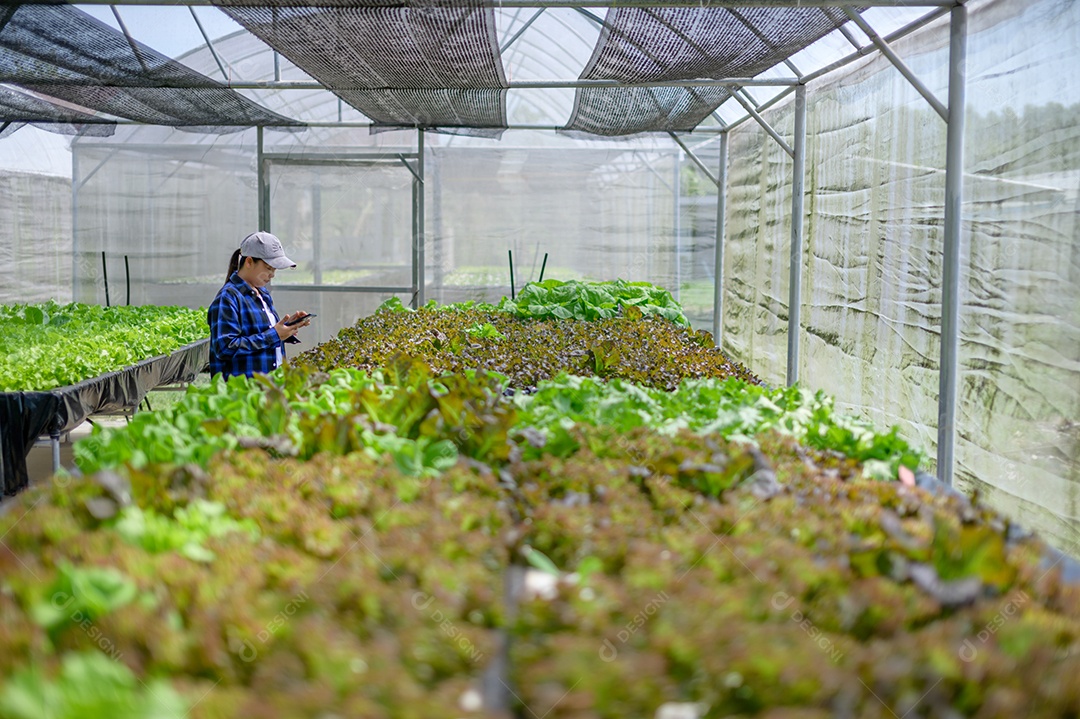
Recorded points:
(60, 51)
(420, 66)
(417, 63)
(657, 44)
(18, 109)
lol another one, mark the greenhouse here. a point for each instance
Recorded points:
(701, 358)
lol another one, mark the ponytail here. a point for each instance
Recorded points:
(234, 264)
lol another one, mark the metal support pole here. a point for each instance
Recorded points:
(209, 44)
(765, 125)
(414, 278)
(795, 281)
(75, 222)
(316, 243)
(443, 253)
(950, 274)
(887, 51)
(130, 40)
(677, 192)
(316, 227)
(54, 440)
(650, 220)
(697, 161)
(421, 254)
(721, 218)
(263, 190)
(519, 33)
(417, 223)
(850, 38)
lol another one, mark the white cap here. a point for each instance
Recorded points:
(267, 248)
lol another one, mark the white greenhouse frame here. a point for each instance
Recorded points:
(952, 112)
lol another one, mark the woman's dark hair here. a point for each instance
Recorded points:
(234, 264)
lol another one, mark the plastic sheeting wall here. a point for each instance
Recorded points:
(177, 205)
(35, 224)
(872, 263)
(344, 225)
(1019, 414)
(177, 210)
(599, 213)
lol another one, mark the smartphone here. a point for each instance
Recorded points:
(299, 319)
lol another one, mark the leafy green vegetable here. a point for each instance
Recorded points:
(394, 304)
(485, 331)
(592, 301)
(539, 560)
(186, 531)
(759, 580)
(89, 685)
(731, 408)
(649, 350)
(420, 421)
(570, 300)
(81, 593)
(52, 345)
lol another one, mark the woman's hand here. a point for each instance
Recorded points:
(286, 331)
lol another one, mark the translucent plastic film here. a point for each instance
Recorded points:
(166, 216)
(35, 254)
(871, 316)
(596, 212)
(1019, 416)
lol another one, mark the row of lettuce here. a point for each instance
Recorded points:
(50, 345)
(424, 422)
(462, 512)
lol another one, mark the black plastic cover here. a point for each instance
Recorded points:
(25, 416)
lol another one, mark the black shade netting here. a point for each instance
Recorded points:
(420, 66)
(660, 44)
(613, 112)
(61, 52)
(18, 109)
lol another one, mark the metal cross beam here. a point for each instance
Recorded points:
(562, 3)
(764, 124)
(847, 60)
(209, 44)
(697, 161)
(130, 40)
(900, 65)
(522, 30)
(518, 85)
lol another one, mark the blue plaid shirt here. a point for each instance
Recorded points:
(240, 340)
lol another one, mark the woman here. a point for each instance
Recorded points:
(246, 334)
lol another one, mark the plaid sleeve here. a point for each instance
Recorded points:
(234, 328)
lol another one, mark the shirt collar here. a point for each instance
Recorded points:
(244, 287)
